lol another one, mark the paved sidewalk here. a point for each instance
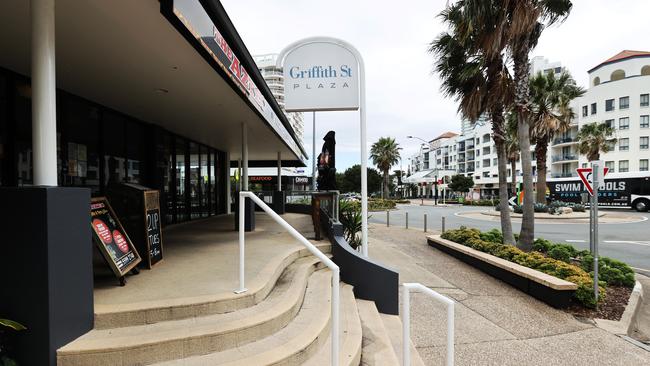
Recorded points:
(495, 323)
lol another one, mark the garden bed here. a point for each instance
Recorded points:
(612, 308)
(558, 260)
(551, 290)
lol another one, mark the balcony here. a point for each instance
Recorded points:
(564, 140)
(565, 157)
(564, 175)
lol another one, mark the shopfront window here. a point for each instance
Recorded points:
(204, 182)
(23, 143)
(3, 130)
(113, 138)
(195, 181)
(181, 202)
(213, 192)
(136, 154)
(78, 144)
(164, 174)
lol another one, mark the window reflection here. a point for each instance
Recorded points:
(181, 203)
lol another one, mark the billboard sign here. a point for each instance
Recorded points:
(320, 75)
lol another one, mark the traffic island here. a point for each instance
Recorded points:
(549, 289)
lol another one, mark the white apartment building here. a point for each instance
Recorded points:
(618, 95)
(275, 80)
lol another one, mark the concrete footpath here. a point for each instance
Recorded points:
(495, 324)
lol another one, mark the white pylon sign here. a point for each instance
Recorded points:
(328, 74)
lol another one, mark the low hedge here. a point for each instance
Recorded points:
(488, 243)
(481, 202)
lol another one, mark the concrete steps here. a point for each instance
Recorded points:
(350, 338)
(294, 344)
(393, 326)
(377, 349)
(141, 313)
(178, 339)
(284, 319)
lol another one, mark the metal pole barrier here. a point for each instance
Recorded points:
(425, 223)
(596, 170)
(443, 224)
(242, 221)
(387, 218)
(407, 220)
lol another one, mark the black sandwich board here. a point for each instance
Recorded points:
(139, 210)
(111, 239)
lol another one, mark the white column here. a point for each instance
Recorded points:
(228, 184)
(279, 171)
(314, 166)
(364, 156)
(43, 92)
(239, 184)
(244, 148)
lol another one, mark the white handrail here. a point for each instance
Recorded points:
(322, 257)
(406, 326)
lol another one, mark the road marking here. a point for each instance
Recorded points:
(647, 244)
(640, 269)
(575, 241)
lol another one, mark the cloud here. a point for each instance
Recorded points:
(403, 95)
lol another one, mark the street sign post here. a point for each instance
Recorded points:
(593, 178)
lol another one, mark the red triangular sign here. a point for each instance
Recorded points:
(586, 177)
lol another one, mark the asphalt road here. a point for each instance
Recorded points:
(628, 242)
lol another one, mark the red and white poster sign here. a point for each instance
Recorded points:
(586, 176)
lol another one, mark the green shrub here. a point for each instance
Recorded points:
(540, 207)
(378, 204)
(611, 271)
(493, 235)
(481, 203)
(559, 268)
(518, 209)
(560, 253)
(578, 208)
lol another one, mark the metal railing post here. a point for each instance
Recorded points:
(242, 222)
(406, 337)
(407, 220)
(443, 224)
(425, 223)
(387, 218)
(406, 326)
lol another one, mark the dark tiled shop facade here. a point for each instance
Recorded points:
(98, 147)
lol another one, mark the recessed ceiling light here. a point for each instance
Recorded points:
(174, 67)
(162, 91)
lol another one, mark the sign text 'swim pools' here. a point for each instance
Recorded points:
(572, 187)
(321, 72)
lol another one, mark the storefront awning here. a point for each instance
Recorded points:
(129, 56)
(425, 176)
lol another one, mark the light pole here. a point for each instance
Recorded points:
(401, 174)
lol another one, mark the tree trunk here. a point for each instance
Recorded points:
(541, 150)
(498, 134)
(527, 233)
(386, 192)
(513, 171)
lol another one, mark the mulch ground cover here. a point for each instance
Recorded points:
(611, 308)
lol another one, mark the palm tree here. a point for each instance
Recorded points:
(519, 24)
(476, 76)
(512, 149)
(384, 154)
(594, 138)
(550, 114)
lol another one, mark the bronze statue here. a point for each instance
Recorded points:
(327, 164)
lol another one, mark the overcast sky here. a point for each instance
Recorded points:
(403, 95)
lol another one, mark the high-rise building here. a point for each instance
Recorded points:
(274, 78)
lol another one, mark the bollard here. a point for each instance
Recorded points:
(407, 220)
(387, 218)
(425, 223)
(443, 224)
